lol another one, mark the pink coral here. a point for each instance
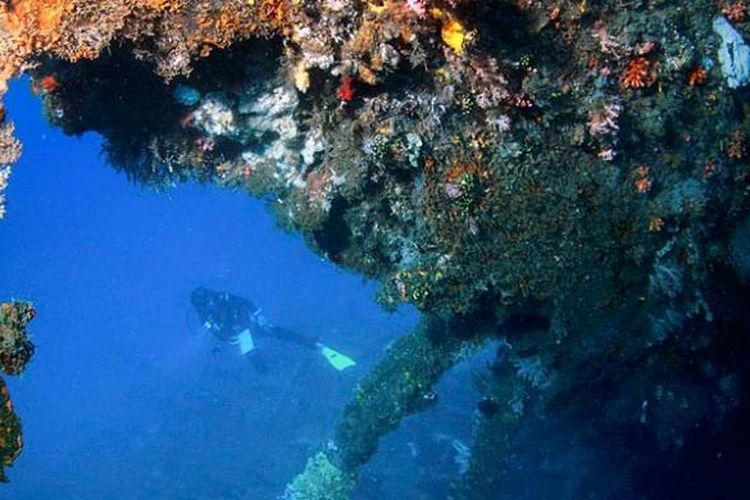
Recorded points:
(607, 43)
(604, 121)
(417, 6)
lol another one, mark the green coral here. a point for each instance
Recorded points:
(15, 351)
(321, 480)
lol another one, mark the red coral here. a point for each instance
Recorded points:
(48, 84)
(345, 92)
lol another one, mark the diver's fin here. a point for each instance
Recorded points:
(336, 359)
(245, 341)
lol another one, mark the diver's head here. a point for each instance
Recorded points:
(201, 299)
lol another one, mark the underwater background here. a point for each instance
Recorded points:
(127, 397)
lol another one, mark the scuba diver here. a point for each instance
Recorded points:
(238, 321)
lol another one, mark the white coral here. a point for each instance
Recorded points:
(734, 54)
(215, 116)
(270, 115)
(532, 370)
(4, 175)
(499, 124)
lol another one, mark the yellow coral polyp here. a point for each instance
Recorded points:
(378, 9)
(454, 35)
(437, 13)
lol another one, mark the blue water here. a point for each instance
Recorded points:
(125, 397)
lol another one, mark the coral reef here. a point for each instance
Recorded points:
(10, 150)
(15, 347)
(486, 161)
(11, 442)
(15, 351)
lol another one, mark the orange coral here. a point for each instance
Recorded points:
(36, 16)
(642, 182)
(638, 73)
(697, 76)
(460, 169)
(276, 12)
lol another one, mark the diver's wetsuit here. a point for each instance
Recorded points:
(226, 316)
